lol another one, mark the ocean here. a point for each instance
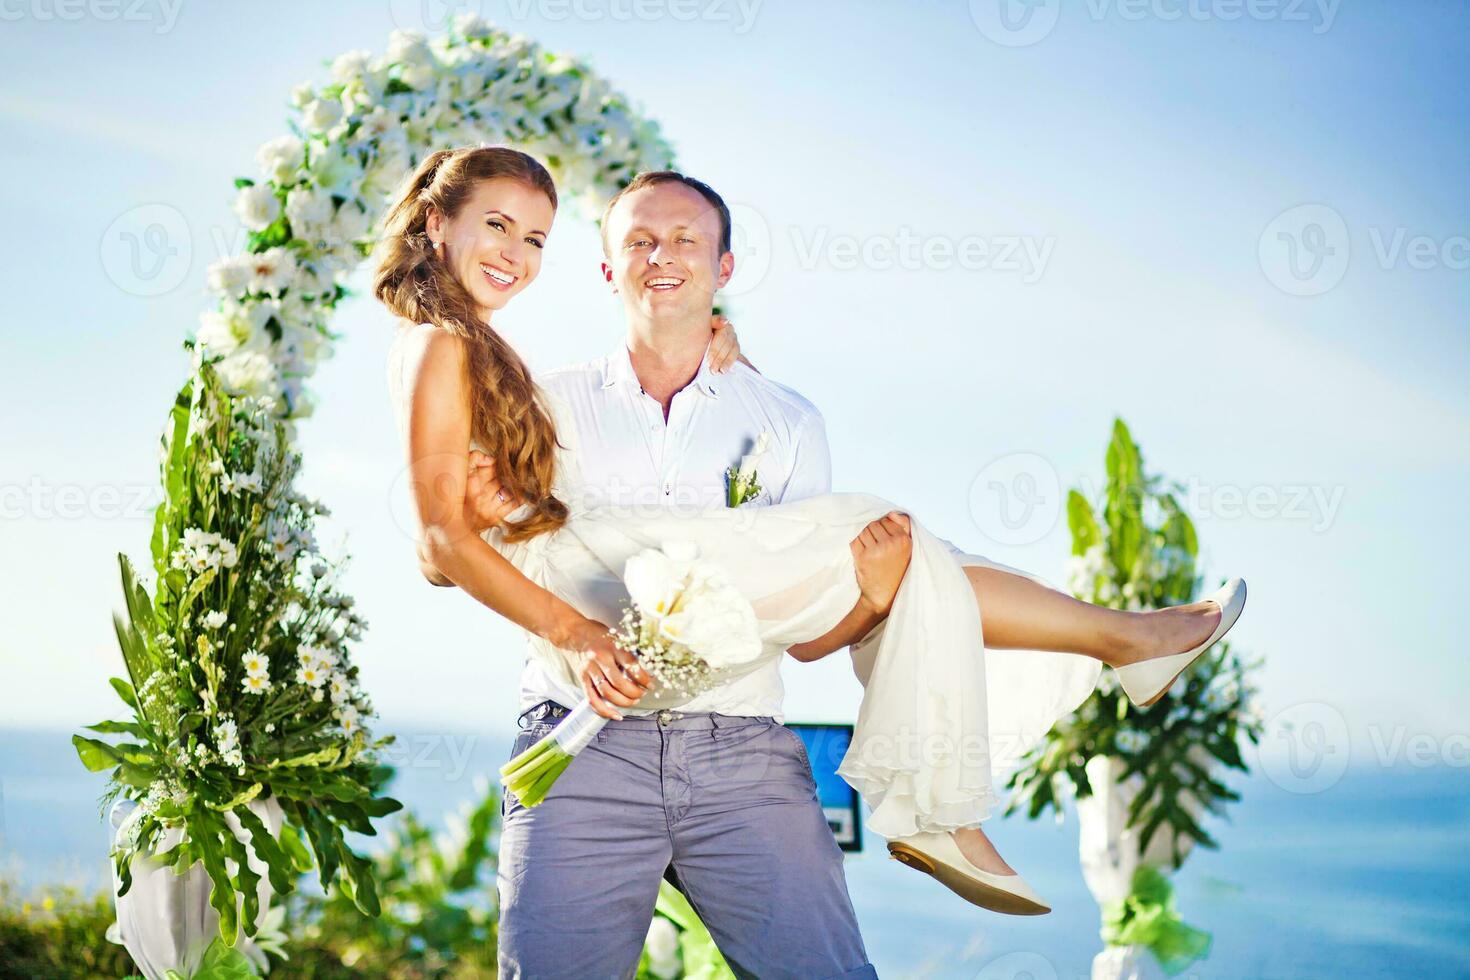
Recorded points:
(1369, 877)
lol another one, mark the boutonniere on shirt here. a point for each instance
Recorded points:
(742, 483)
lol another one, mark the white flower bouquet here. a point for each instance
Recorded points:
(687, 625)
(238, 673)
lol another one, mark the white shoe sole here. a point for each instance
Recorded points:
(946, 863)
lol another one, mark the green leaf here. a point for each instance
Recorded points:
(243, 182)
(223, 962)
(205, 829)
(139, 776)
(95, 754)
(295, 849)
(125, 691)
(118, 728)
(278, 863)
(324, 837)
(247, 879)
(1082, 522)
(357, 880)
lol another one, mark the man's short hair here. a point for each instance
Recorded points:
(650, 178)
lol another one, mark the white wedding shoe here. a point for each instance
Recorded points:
(938, 855)
(1148, 680)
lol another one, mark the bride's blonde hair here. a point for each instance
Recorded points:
(506, 411)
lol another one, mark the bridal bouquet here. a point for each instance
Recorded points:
(239, 680)
(685, 623)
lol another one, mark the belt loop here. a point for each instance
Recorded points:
(714, 724)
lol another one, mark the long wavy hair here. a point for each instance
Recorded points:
(507, 414)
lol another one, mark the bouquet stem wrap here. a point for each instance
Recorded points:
(530, 774)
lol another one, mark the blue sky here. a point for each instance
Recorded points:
(1142, 160)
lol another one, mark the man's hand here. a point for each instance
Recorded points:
(610, 675)
(881, 554)
(486, 503)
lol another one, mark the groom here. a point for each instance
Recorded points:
(719, 795)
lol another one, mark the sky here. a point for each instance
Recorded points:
(971, 235)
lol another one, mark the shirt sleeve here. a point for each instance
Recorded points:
(811, 462)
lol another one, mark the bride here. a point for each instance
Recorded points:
(945, 695)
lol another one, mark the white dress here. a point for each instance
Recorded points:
(938, 709)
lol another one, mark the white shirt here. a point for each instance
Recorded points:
(626, 455)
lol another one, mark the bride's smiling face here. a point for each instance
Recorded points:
(493, 244)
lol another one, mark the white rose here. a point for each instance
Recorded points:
(693, 604)
(350, 65)
(320, 115)
(716, 623)
(229, 277)
(336, 170)
(417, 76)
(248, 373)
(256, 206)
(471, 25)
(272, 270)
(408, 47)
(280, 158)
(351, 224)
(218, 332)
(309, 211)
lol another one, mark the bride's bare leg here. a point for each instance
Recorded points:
(1019, 614)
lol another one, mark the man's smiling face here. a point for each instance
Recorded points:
(664, 256)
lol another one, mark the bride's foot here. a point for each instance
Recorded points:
(1195, 627)
(978, 850)
(965, 862)
(1165, 632)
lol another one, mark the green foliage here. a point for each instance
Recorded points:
(59, 934)
(239, 681)
(438, 915)
(1141, 555)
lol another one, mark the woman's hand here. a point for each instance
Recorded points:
(610, 675)
(724, 347)
(881, 555)
(486, 502)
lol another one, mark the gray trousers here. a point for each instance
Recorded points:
(729, 802)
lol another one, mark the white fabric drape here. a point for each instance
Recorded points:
(938, 709)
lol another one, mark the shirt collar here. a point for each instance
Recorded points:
(619, 370)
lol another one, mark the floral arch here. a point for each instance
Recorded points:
(247, 754)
